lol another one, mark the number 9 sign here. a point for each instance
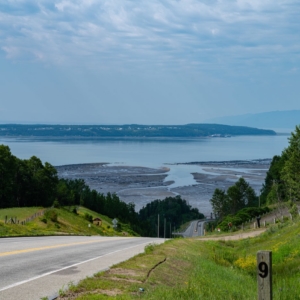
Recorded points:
(263, 269)
(264, 275)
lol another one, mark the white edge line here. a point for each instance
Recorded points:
(77, 264)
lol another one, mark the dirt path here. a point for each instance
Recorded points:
(238, 236)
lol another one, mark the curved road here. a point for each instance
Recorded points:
(35, 267)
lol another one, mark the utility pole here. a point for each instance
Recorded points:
(158, 225)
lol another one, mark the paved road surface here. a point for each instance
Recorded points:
(35, 267)
(196, 228)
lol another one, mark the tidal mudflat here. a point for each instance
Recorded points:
(142, 185)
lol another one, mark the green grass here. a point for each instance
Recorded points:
(195, 269)
(20, 212)
(67, 223)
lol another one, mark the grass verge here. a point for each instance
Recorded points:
(195, 269)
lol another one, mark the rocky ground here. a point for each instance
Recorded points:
(142, 185)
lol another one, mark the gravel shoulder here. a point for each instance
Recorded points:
(238, 236)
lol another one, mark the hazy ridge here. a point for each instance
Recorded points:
(272, 120)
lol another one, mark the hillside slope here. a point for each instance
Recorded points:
(57, 221)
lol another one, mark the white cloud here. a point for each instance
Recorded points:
(11, 52)
(165, 32)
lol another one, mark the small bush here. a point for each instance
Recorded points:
(56, 204)
(51, 214)
(294, 210)
(88, 217)
(149, 248)
(44, 220)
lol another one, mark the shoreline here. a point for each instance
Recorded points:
(142, 185)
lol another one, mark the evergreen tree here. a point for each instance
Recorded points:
(219, 203)
(7, 177)
(238, 196)
(291, 170)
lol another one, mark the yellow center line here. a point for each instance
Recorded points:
(50, 247)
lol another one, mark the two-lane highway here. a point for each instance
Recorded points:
(35, 267)
(196, 228)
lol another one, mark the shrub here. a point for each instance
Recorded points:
(56, 204)
(88, 217)
(44, 220)
(242, 216)
(149, 248)
(51, 214)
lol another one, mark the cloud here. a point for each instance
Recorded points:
(113, 33)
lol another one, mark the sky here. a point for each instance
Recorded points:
(147, 62)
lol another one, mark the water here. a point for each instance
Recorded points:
(150, 152)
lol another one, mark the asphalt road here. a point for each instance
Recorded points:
(36, 267)
(196, 228)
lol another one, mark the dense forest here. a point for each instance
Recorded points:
(118, 131)
(29, 182)
(282, 182)
(281, 185)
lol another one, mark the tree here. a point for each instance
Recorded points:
(219, 203)
(241, 195)
(42, 183)
(174, 209)
(238, 196)
(7, 177)
(291, 170)
(274, 177)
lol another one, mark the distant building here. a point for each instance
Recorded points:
(97, 221)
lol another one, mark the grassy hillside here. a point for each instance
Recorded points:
(195, 269)
(56, 221)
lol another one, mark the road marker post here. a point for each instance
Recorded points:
(264, 275)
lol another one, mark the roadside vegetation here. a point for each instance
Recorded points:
(281, 188)
(58, 221)
(197, 269)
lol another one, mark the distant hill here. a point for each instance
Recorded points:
(118, 131)
(287, 119)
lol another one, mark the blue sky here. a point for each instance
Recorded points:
(147, 62)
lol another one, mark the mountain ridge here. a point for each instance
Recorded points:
(287, 119)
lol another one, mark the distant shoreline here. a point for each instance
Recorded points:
(129, 131)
